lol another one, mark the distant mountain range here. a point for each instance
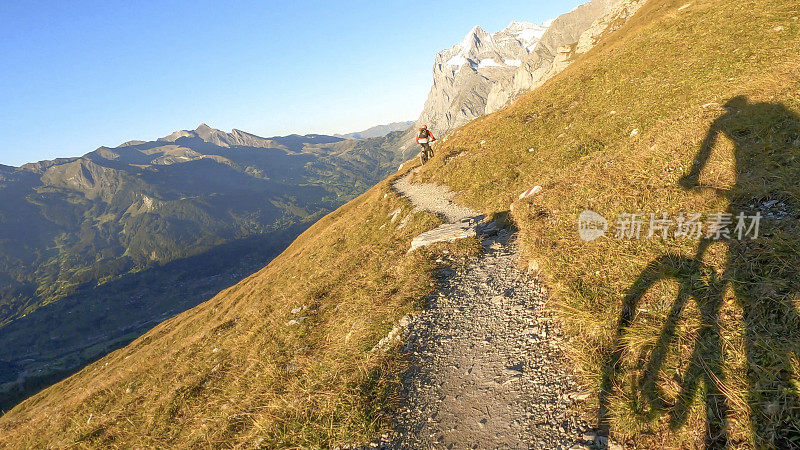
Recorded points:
(377, 131)
(94, 250)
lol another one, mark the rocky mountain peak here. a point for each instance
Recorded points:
(204, 129)
(482, 50)
(474, 38)
(486, 71)
(219, 137)
(209, 134)
(464, 73)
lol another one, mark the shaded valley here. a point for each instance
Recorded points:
(98, 249)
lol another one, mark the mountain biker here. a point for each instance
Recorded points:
(424, 138)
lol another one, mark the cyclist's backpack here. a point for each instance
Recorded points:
(423, 133)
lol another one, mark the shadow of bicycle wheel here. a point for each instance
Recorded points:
(695, 281)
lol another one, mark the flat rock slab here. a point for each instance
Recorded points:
(461, 223)
(448, 232)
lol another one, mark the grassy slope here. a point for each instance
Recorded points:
(231, 370)
(79, 247)
(659, 73)
(311, 385)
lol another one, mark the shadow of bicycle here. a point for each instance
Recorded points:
(764, 274)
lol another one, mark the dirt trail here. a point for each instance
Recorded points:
(487, 366)
(434, 198)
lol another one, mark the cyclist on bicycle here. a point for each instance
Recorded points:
(424, 138)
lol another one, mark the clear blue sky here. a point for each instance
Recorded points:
(80, 74)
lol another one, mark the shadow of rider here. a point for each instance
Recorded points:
(763, 273)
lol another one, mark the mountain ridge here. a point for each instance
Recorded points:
(137, 217)
(377, 130)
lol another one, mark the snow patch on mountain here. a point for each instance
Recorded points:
(567, 36)
(489, 62)
(528, 33)
(458, 60)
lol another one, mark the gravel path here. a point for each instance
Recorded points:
(434, 198)
(487, 368)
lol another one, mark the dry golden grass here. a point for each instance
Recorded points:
(232, 373)
(669, 73)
